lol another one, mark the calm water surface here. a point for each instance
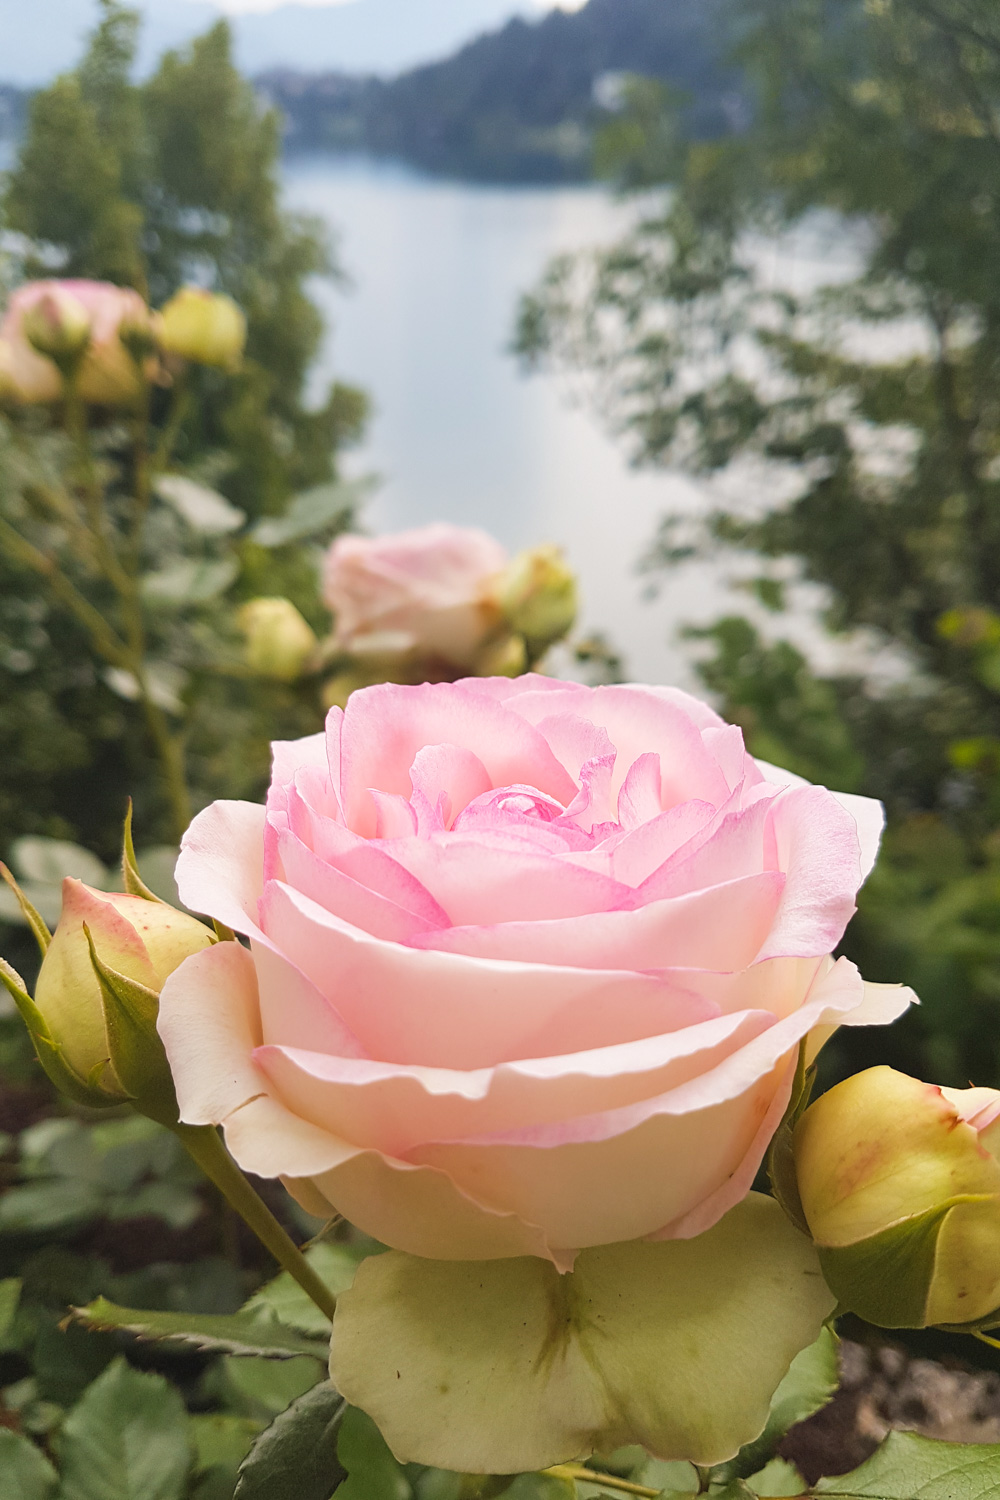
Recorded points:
(458, 432)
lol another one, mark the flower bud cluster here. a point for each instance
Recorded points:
(438, 603)
(900, 1186)
(103, 344)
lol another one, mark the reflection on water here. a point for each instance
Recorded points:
(459, 433)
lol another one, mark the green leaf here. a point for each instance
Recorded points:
(25, 1472)
(778, 1478)
(373, 1472)
(222, 1441)
(296, 1457)
(239, 1333)
(336, 1265)
(192, 580)
(203, 509)
(811, 1382)
(43, 1207)
(49, 861)
(262, 1388)
(127, 1438)
(542, 1487)
(10, 1297)
(312, 512)
(907, 1467)
(505, 1366)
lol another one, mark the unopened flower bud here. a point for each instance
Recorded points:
(279, 642)
(900, 1186)
(59, 326)
(144, 940)
(537, 595)
(140, 336)
(505, 657)
(206, 328)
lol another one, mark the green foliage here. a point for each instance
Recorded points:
(788, 716)
(372, 1472)
(127, 1438)
(153, 184)
(907, 1467)
(71, 1174)
(296, 1458)
(858, 426)
(25, 1472)
(518, 104)
(245, 1333)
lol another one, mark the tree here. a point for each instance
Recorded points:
(871, 407)
(151, 185)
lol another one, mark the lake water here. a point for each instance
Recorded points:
(458, 432)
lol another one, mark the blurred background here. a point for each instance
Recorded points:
(706, 295)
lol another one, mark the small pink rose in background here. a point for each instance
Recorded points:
(426, 593)
(108, 375)
(530, 963)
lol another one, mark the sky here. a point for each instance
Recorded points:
(40, 38)
(243, 7)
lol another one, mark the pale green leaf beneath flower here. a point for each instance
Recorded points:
(506, 1366)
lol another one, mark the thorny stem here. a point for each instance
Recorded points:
(171, 429)
(203, 1145)
(105, 640)
(170, 750)
(125, 580)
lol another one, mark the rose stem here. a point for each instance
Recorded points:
(203, 1145)
(583, 1475)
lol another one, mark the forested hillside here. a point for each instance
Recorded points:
(521, 103)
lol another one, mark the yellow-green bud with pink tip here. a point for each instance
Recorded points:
(58, 325)
(143, 940)
(900, 1187)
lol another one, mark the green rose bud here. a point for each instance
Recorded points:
(537, 595)
(58, 326)
(279, 642)
(143, 940)
(900, 1186)
(206, 328)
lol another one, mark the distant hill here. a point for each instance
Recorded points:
(519, 103)
(39, 38)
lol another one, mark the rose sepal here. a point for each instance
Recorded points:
(58, 1071)
(131, 879)
(780, 1157)
(136, 1052)
(33, 918)
(887, 1278)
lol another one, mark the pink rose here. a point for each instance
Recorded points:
(108, 375)
(423, 593)
(530, 964)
